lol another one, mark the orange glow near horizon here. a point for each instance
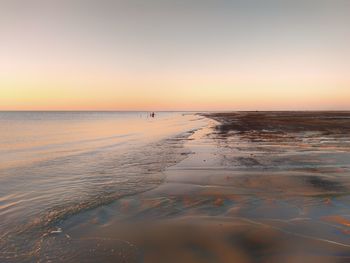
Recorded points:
(251, 89)
(148, 95)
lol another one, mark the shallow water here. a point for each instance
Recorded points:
(58, 164)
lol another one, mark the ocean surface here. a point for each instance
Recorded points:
(57, 164)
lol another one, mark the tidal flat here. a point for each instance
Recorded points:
(250, 187)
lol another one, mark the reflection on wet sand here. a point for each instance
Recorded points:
(258, 187)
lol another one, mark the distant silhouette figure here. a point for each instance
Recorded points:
(153, 114)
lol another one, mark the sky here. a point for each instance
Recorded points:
(175, 55)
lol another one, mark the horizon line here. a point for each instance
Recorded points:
(277, 110)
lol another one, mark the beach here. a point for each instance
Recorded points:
(136, 131)
(239, 187)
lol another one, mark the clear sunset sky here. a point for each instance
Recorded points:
(174, 55)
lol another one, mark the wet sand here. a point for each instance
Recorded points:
(257, 187)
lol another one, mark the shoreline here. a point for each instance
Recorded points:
(106, 172)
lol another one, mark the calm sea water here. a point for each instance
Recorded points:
(57, 164)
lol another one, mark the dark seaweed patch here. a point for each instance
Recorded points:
(246, 161)
(324, 122)
(323, 183)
